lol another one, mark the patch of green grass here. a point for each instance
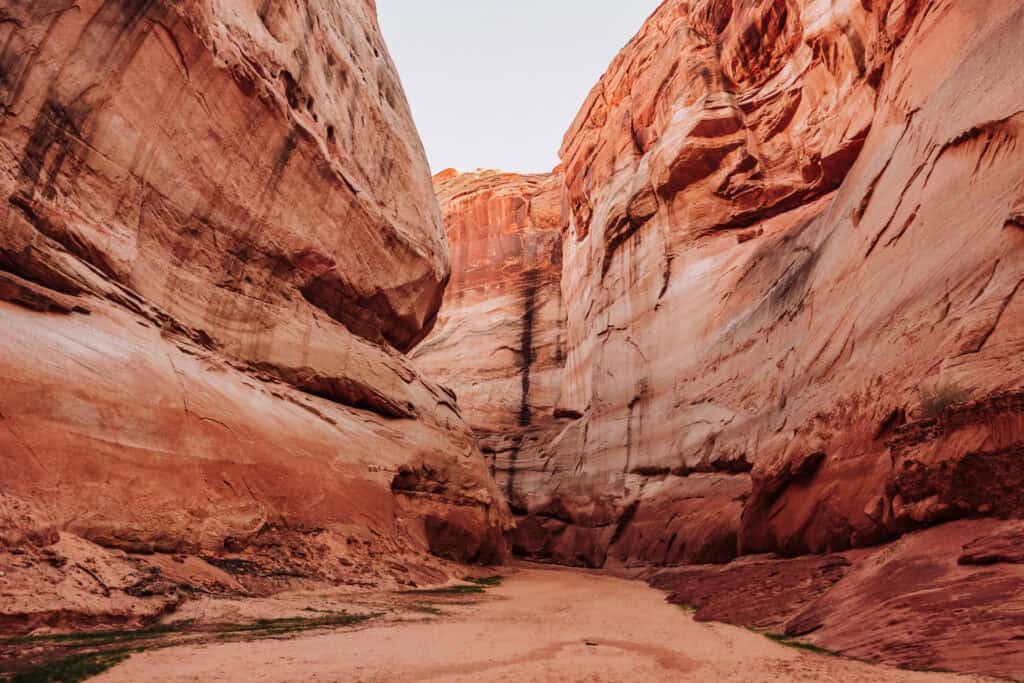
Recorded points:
(486, 581)
(426, 608)
(447, 590)
(73, 669)
(810, 647)
(929, 670)
(295, 624)
(800, 645)
(100, 638)
(79, 667)
(94, 638)
(473, 586)
(788, 641)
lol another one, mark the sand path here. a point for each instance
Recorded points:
(541, 625)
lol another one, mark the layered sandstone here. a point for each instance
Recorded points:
(786, 221)
(498, 343)
(941, 599)
(785, 218)
(219, 236)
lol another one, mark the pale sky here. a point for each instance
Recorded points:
(496, 83)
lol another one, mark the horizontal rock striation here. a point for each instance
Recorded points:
(791, 324)
(499, 339)
(218, 238)
(785, 220)
(940, 599)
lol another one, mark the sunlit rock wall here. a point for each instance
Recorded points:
(219, 234)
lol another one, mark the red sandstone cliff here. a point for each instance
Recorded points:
(784, 219)
(499, 340)
(503, 303)
(219, 234)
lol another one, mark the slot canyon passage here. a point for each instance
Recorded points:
(278, 406)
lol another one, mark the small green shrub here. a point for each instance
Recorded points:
(73, 669)
(426, 608)
(447, 590)
(800, 645)
(487, 580)
(936, 398)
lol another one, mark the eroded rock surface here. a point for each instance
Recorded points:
(941, 599)
(499, 339)
(785, 223)
(827, 234)
(218, 236)
(783, 219)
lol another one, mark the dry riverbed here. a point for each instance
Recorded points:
(538, 624)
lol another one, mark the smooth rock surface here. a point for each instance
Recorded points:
(785, 219)
(942, 599)
(498, 343)
(218, 234)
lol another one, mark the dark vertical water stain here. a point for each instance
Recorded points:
(54, 127)
(629, 438)
(642, 390)
(526, 358)
(111, 39)
(282, 156)
(263, 11)
(526, 343)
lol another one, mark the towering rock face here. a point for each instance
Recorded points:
(499, 341)
(693, 172)
(785, 218)
(219, 234)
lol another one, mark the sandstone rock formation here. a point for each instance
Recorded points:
(757, 203)
(946, 598)
(705, 335)
(219, 235)
(786, 224)
(499, 341)
(785, 218)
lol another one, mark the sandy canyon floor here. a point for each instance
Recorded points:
(539, 625)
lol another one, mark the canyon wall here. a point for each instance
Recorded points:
(784, 221)
(789, 321)
(218, 238)
(503, 303)
(499, 340)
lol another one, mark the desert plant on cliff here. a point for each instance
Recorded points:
(937, 397)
